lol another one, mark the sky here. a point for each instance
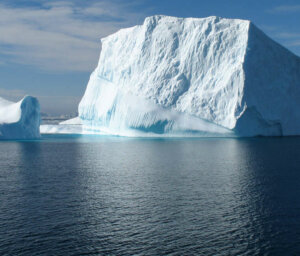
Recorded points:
(48, 49)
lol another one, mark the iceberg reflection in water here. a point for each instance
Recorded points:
(66, 195)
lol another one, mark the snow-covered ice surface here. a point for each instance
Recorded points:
(193, 77)
(72, 121)
(19, 120)
(71, 126)
(61, 128)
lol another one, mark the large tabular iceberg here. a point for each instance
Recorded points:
(20, 120)
(188, 76)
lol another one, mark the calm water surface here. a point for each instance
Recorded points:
(116, 196)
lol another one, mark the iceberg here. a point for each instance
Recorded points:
(70, 126)
(192, 77)
(60, 129)
(20, 120)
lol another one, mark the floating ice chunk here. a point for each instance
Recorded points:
(19, 120)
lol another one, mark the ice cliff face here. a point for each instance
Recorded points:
(209, 76)
(19, 120)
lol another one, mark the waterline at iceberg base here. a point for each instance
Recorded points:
(192, 77)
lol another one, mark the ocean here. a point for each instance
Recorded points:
(89, 195)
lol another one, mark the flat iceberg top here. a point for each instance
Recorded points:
(221, 72)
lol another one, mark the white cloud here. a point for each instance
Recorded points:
(288, 35)
(60, 36)
(290, 39)
(285, 9)
(269, 28)
(282, 34)
(294, 43)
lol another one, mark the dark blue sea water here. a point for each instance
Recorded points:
(117, 196)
